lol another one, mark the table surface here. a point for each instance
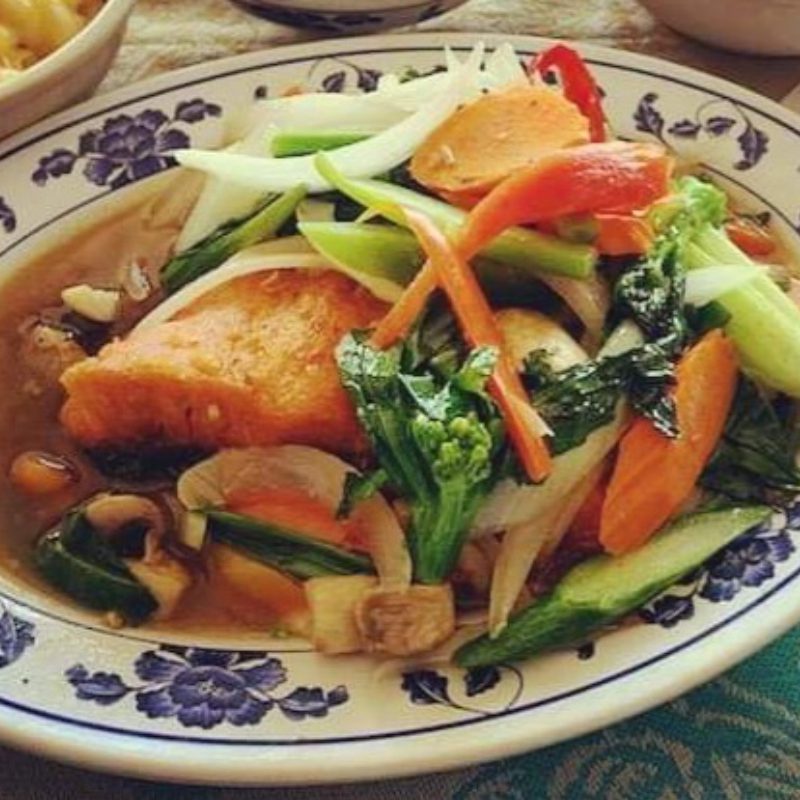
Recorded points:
(168, 34)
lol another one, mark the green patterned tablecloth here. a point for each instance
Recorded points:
(737, 738)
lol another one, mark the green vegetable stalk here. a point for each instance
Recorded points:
(302, 143)
(523, 248)
(229, 239)
(300, 556)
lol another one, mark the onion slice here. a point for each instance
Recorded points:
(369, 157)
(318, 474)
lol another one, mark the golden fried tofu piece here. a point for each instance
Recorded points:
(249, 363)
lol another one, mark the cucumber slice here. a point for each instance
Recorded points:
(604, 589)
(90, 584)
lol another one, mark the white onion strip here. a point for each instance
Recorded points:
(367, 158)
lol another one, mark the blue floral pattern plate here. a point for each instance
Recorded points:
(247, 709)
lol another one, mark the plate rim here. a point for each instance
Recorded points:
(706, 656)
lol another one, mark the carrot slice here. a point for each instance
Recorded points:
(623, 235)
(653, 474)
(614, 177)
(400, 317)
(618, 176)
(291, 508)
(754, 239)
(486, 140)
(480, 330)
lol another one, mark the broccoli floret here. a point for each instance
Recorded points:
(437, 438)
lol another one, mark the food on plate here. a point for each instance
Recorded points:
(32, 29)
(444, 368)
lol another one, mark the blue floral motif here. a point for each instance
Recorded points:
(8, 219)
(428, 687)
(204, 688)
(747, 562)
(346, 73)
(16, 636)
(753, 143)
(127, 148)
(647, 117)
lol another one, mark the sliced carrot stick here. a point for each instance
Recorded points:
(588, 179)
(487, 140)
(400, 317)
(754, 239)
(613, 177)
(480, 330)
(623, 235)
(653, 474)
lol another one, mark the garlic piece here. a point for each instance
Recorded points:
(98, 305)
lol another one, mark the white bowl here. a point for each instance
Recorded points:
(761, 27)
(67, 75)
(350, 16)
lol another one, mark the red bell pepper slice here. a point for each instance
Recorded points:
(577, 83)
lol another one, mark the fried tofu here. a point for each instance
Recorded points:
(249, 363)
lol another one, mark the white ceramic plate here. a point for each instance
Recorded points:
(253, 711)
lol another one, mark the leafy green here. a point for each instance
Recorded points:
(434, 431)
(231, 237)
(755, 459)
(652, 291)
(578, 400)
(298, 555)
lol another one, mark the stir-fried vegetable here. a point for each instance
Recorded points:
(577, 83)
(76, 559)
(302, 143)
(615, 177)
(639, 500)
(373, 156)
(530, 251)
(523, 426)
(576, 401)
(436, 438)
(754, 460)
(293, 553)
(486, 140)
(229, 239)
(604, 589)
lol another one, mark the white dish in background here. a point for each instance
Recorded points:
(351, 16)
(67, 75)
(245, 709)
(760, 27)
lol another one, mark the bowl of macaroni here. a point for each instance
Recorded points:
(54, 53)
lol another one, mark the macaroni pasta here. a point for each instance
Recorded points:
(32, 29)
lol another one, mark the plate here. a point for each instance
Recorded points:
(247, 710)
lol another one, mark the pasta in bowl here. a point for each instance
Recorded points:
(32, 29)
(53, 53)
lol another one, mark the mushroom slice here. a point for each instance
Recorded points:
(167, 579)
(406, 622)
(110, 513)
